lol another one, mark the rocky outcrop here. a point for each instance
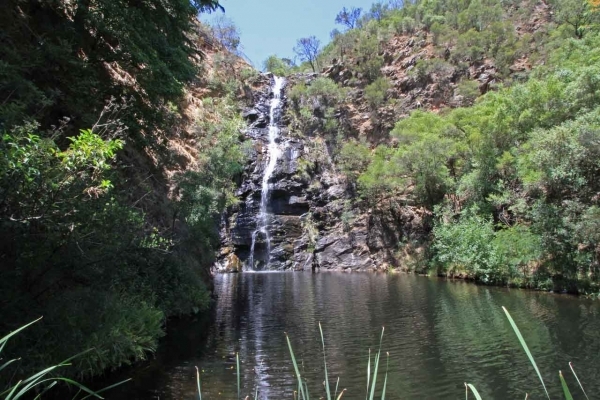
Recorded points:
(315, 221)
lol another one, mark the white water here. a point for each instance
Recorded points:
(273, 153)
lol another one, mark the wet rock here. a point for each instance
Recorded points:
(250, 114)
(336, 192)
(232, 264)
(306, 202)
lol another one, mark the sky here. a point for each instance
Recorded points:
(273, 26)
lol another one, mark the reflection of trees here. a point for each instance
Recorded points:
(438, 333)
(475, 337)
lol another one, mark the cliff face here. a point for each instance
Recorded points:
(319, 220)
(313, 221)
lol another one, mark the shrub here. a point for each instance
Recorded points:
(376, 92)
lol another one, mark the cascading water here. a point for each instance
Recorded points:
(273, 152)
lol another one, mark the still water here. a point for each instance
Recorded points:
(439, 334)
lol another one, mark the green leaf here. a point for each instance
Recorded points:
(565, 388)
(327, 391)
(520, 337)
(298, 376)
(198, 384)
(473, 390)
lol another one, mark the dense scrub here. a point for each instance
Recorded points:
(101, 232)
(505, 159)
(513, 179)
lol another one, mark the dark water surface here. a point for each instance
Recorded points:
(439, 334)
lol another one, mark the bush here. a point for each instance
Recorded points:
(353, 159)
(277, 66)
(468, 89)
(466, 246)
(376, 92)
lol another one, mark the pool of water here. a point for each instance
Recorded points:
(439, 334)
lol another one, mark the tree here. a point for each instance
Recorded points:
(227, 33)
(378, 11)
(349, 18)
(308, 49)
(396, 4)
(343, 41)
(576, 13)
(376, 92)
(278, 66)
(147, 44)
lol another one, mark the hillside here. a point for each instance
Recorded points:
(140, 153)
(119, 151)
(458, 138)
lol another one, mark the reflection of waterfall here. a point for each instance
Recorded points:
(273, 154)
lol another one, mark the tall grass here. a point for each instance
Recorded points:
(566, 391)
(40, 383)
(302, 392)
(372, 368)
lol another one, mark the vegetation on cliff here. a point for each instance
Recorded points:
(120, 143)
(483, 113)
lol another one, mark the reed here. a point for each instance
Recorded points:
(45, 380)
(372, 368)
(566, 392)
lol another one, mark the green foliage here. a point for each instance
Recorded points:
(424, 155)
(88, 45)
(380, 178)
(72, 250)
(277, 66)
(78, 244)
(467, 246)
(57, 224)
(369, 61)
(579, 16)
(315, 105)
(376, 92)
(526, 156)
(468, 89)
(353, 159)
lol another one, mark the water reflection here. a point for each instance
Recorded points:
(439, 334)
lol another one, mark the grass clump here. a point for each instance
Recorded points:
(43, 381)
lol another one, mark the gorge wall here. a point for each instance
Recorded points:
(310, 221)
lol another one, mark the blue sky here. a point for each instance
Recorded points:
(273, 26)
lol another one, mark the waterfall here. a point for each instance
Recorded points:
(273, 153)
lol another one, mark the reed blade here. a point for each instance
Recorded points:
(473, 390)
(237, 361)
(50, 386)
(376, 367)
(387, 367)
(368, 374)
(578, 381)
(39, 381)
(114, 385)
(565, 388)
(327, 391)
(524, 345)
(198, 384)
(298, 376)
(6, 364)
(5, 338)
